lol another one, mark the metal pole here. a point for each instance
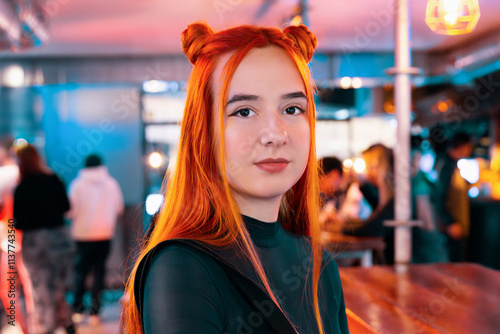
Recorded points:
(402, 99)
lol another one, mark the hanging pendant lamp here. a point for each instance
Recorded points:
(452, 17)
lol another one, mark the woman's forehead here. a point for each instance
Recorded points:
(260, 67)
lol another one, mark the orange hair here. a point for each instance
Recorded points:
(212, 215)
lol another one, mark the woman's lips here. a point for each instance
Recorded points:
(272, 165)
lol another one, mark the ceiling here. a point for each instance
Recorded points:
(152, 27)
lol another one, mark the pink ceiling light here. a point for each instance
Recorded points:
(452, 17)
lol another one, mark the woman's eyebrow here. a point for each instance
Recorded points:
(242, 97)
(294, 95)
(245, 97)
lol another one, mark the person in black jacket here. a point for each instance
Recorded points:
(236, 246)
(40, 202)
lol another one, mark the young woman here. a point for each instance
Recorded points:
(235, 248)
(40, 202)
(379, 173)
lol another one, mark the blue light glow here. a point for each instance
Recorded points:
(473, 192)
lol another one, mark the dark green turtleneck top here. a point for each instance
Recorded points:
(187, 291)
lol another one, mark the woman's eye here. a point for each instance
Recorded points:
(245, 112)
(293, 110)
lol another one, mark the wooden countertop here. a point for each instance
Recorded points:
(432, 298)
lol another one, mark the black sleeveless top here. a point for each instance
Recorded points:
(187, 289)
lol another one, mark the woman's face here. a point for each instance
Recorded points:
(266, 127)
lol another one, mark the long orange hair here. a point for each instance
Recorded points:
(198, 201)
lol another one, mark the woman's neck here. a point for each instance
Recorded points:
(265, 210)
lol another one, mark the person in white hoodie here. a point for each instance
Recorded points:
(96, 202)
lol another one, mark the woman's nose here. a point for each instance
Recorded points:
(274, 132)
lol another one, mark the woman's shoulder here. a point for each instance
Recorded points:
(180, 281)
(175, 263)
(181, 255)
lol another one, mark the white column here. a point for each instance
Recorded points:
(402, 99)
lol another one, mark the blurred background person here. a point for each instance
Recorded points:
(10, 241)
(378, 190)
(428, 245)
(9, 171)
(96, 202)
(354, 205)
(331, 182)
(40, 202)
(332, 192)
(452, 200)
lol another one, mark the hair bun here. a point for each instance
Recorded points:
(303, 39)
(193, 39)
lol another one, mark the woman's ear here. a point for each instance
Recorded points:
(304, 40)
(193, 39)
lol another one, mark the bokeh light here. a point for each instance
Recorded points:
(153, 203)
(359, 165)
(155, 159)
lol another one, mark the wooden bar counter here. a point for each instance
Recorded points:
(431, 298)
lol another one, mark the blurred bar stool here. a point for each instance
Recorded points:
(345, 247)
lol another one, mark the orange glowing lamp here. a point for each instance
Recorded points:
(452, 17)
